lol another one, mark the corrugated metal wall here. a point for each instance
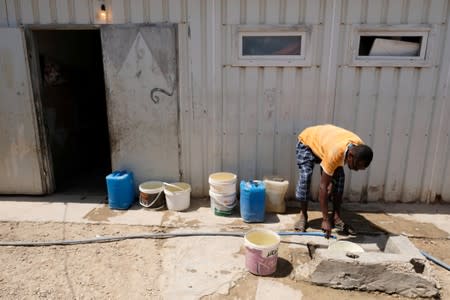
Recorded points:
(395, 108)
(246, 119)
(85, 11)
(264, 108)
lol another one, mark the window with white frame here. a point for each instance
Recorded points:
(271, 46)
(391, 46)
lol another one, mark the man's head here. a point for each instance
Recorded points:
(359, 157)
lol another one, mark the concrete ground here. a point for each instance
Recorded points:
(196, 267)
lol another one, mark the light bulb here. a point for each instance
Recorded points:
(102, 13)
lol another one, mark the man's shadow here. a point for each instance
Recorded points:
(365, 230)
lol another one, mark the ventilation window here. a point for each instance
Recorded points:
(391, 47)
(271, 46)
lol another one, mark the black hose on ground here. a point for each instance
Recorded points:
(107, 239)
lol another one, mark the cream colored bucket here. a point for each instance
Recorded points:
(222, 183)
(276, 188)
(178, 196)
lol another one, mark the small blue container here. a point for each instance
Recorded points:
(253, 201)
(120, 185)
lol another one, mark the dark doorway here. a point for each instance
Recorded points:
(74, 106)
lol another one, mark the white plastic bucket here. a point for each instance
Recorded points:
(178, 195)
(261, 251)
(276, 188)
(222, 204)
(222, 183)
(151, 194)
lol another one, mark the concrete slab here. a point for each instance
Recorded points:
(269, 289)
(216, 267)
(400, 269)
(44, 211)
(402, 245)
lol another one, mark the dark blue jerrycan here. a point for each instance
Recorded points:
(120, 185)
(252, 201)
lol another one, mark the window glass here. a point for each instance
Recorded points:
(390, 46)
(271, 45)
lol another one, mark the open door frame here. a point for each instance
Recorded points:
(46, 163)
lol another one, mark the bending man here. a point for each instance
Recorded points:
(332, 147)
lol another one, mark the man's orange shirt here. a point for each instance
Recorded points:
(329, 143)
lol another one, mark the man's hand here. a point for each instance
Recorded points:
(326, 228)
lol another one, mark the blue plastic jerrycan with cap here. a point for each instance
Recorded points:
(252, 201)
(120, 186)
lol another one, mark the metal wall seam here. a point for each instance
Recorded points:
(329, 60)
(439, 141)
(214, 92)
(185, 100)
(12, 7)
(62, 12)
(197, 67)
(3, 13)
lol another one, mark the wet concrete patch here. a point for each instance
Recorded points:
(177, 219)
(396, 225)
(192, 223)
(166, 217)
(102, 214)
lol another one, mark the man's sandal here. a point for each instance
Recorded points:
(343, 227)
(301, 224)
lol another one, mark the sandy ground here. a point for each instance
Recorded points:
(133, 269)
